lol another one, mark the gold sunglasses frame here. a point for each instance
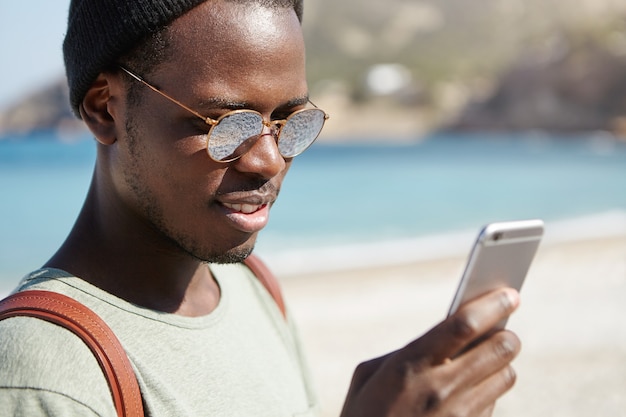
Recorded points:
(274, 125)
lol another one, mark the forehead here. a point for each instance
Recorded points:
(222, 44)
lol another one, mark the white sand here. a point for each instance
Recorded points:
(571, 322)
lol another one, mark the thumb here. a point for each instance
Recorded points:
(363, 373)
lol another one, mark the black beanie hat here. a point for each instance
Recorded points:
(100, 31)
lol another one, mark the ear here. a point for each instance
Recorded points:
(99, 108)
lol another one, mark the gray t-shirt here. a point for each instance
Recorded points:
(243, 359)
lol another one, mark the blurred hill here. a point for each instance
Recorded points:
(407, 67)
(47, 109)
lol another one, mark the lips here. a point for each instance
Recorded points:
(243, 207)
(246, 217)
(248, 211)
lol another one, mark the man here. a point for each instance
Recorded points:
(187, 101)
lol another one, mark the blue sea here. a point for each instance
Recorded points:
(346, 203)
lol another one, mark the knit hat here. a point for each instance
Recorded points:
(100, 31)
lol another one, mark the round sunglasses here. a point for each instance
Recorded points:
(229, 134)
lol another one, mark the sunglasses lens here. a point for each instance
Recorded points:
(230, 132)
(300, 131)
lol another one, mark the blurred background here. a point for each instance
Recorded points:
(497, 65)
(488, 65)
(445, 115)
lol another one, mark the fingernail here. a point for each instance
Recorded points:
(513, 297)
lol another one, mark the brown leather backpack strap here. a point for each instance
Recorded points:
(267, 278)
(69, 313)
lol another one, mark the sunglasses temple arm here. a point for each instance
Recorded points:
(326, 116)
(207, 120)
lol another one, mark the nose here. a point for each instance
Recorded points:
(263, 157)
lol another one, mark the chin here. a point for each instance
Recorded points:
(232, 256)
(227, 253)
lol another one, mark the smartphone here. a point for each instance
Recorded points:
(500, 257)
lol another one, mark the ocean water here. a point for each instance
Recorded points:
(339, 202)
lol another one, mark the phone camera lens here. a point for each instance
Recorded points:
(497, 236)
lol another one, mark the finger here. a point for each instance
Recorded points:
(456, 378)
(488, 358)
(481, 398)
(471, 321)
(488, 411)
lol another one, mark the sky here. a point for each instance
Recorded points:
(31, 35)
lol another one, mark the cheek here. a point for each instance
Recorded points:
(168, 172)
(180, 174)
(164, 151)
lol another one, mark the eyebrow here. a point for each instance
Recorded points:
(222, 103)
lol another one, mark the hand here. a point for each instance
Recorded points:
(421, 379)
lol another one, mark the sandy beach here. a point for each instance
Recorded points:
(571, 323)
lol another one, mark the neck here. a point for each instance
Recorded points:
(130, 262)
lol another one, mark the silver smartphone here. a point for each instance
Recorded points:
(501, 257)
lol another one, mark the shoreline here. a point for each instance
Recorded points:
(388, 253)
